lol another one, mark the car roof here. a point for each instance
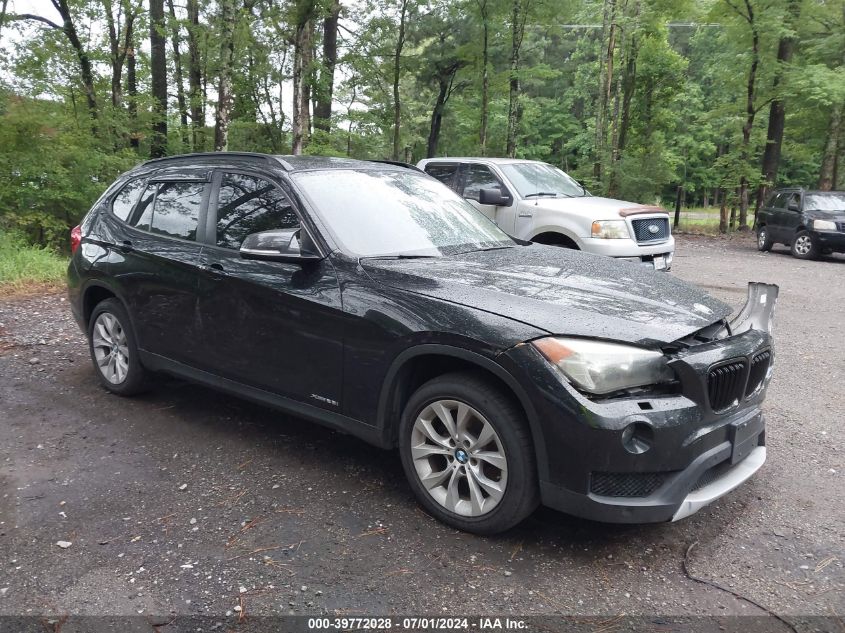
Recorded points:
(478, 159)
(287, 163)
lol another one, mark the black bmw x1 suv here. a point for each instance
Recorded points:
(371, 298)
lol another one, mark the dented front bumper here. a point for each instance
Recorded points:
(700, 442)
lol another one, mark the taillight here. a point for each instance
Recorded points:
(75, 238)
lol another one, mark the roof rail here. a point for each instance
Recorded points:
(397, 163)
(265, 157)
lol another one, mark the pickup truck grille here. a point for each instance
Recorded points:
(651, 229)
(726, 384)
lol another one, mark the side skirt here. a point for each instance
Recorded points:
(335, 421)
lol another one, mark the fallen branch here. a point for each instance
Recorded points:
(704, 581)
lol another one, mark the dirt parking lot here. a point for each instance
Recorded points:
(185, 501)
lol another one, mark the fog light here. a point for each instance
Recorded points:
(637, 438)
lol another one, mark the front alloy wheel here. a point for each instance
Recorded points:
(804, 246)
(468, 454)
(459, 458)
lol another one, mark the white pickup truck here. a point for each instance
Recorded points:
(535, 201)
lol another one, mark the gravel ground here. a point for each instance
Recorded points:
(185, 501)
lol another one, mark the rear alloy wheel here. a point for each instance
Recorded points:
(804, 246)
(113, 349)
(764, 242)
(468, 455)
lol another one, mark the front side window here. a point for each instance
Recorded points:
(249, 204)
(176, 209)
(443, 173)
(479, 177)
(125, 201)
(373, 213)
(542, 179)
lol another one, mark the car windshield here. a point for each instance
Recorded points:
(833, 201)
(543, 179)
(373, 213)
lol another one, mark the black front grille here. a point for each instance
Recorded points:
(725, 384)
(759, 367)
(627, 484)
(651, 229)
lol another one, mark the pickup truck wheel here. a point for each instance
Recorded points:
(805, 246)
(764, 242)
(467, 454)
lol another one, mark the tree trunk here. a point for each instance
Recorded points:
(777, 111)
(85, 71)
(750, 113)
(225, 99)
(132, 91)
(514, 106)
(831, 149)
(445, 79)
(158, 79)
(195, 89)
(301, 122)
(177, 75)
(485, 76)
(397, 68)
(323, 108)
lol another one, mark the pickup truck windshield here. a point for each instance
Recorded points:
(376, 213)
(529, 178)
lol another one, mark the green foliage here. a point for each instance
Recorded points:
(22, 264)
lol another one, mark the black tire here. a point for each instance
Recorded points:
(521, 495)
(136, 379)
(764, 240)
(805, 246)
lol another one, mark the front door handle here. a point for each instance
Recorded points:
(125, 246)
(214, 269)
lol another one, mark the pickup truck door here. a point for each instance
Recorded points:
(476, 177)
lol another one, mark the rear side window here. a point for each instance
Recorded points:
(249, 204)
(176, 209)
(125, 201)
(443, 173)
(478, 177)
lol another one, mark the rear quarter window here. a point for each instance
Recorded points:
(126, 200)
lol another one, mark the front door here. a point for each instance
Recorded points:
(272, 325)
(478, 177)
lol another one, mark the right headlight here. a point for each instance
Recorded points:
(598, 367)
(824, 225)
(610, 229)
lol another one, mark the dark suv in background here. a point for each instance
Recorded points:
(373, 299)
(811, 223)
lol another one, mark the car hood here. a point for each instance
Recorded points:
(560, 291)
(818, 214)
(594, 207)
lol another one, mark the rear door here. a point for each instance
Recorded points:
(272, 325)
(161, 257)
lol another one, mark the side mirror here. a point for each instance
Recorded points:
(792, 205)
(494, 196)
(279, 245)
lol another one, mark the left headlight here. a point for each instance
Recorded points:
(598, 367)
(610, 229)
(824, 225)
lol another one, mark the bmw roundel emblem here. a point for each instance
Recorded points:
(653, 228)
(461, 456)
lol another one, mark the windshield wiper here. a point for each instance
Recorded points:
(400, 256)
(541, 193)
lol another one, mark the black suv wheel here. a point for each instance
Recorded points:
(805, 246)
(764, 241)
(113, 349)
(467, 453)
